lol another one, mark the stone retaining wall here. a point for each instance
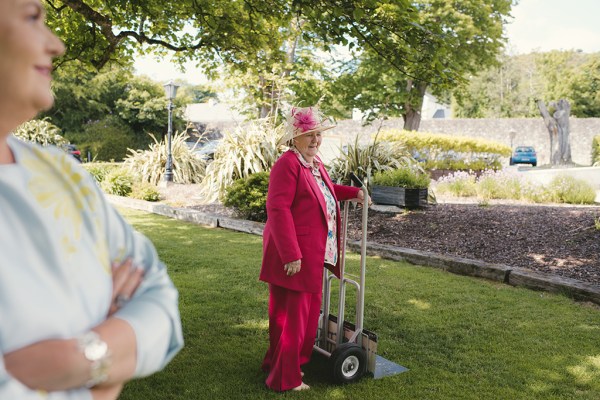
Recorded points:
(529, 131)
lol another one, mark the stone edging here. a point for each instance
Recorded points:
(497, 272)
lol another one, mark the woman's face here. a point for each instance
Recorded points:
(308, 145)
(27, 48)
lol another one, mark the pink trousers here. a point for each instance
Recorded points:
(293, 321)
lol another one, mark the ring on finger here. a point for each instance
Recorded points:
(121, 299)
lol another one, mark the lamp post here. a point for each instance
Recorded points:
(170, 92)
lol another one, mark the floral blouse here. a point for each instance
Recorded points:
(331, 253)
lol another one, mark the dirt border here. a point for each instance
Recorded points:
(520, 277)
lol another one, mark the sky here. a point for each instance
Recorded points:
(537, 25)
(545, 25)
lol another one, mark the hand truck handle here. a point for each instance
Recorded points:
(355, 179)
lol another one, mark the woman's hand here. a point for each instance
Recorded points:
(106, 392)
(292, 268)
(59, 364)
(54, 364)
(360, 198)
(126, 279)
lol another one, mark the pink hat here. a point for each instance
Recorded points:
(305, 120)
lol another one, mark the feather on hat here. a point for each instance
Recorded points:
(304, 120)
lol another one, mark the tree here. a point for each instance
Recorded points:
(253, 33)
(513, 88)
(114, 106)
(557, 124)
(429, 43)
(102, 31)
(585, 88)
(455, 39)
(508, 90)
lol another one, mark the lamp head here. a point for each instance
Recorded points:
(171, 90)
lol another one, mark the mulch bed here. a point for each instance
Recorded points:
(561, 240)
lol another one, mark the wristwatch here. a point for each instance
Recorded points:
(96, 351)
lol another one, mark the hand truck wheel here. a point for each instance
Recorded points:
(349, 363)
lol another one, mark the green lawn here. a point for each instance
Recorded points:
(461, 338)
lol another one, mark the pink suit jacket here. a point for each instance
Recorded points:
(296, 225)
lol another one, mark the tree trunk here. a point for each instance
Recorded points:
(558, 130)
(414, 104)
(272, 92)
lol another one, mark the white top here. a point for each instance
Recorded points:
(58, 237)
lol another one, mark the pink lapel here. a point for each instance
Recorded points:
(315, 188)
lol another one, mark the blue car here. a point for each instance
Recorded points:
(524, 155)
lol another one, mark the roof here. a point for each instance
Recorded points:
(212, 111)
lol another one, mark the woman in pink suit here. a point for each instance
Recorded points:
(299, 240)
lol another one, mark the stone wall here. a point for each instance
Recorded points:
(529, 131)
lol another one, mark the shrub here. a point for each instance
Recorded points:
(462, 165)
(249, 196)
(596, 150)
(99, 170)
(440, 151)
(367, 159)
(250, 148)
(536, 193)
(118, 182)
(499, 185)
(402, 177)
(145, 191)
(40, 131)
(107, 139)
(567, 189)
(460, 184)
(150, 165)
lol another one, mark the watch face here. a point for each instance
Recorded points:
(95, 350)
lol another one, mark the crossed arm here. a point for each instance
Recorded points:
(59, 365)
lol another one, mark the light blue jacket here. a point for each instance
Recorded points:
(58, 237)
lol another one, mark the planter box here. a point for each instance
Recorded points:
(400, 197)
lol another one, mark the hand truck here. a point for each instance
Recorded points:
(352, 350)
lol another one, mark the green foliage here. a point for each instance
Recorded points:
(511, 89)
(567, 189)
(585, 89)
(459, 184)
(399, 47)
(143, 106)
(440, 151)
(596, 150)
(118, 182)
(250, 148)
(409, 178)
(145, 191)
(132, 105)
(149, 165)
(462, 165)
(249, 196)
(437, 54)
(365, 159)
(203, 31)
(99, 170)
(107, 139)
(433, 144)
(41, 132)
(493, 185)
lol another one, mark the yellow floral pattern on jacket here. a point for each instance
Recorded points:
(67, 195)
